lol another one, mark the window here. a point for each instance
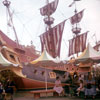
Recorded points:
(35, 71)
(29, 58)
(52, 74)
(66, 68)
(43, 72)
(12, 57)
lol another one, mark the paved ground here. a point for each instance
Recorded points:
(28, 96)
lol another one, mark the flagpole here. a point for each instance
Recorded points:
(48, 26)
(75, 29)
(76, 19)
(46, 79)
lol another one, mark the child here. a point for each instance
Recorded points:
(81, 88)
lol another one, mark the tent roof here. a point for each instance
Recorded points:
(89, 53)
(45, 57)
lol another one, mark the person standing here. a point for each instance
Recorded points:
(10, 87)
(1, 88)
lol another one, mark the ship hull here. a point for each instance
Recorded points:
(27, 79)
(28, 84)
(39, 77)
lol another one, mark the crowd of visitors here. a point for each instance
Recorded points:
(7, 87)
(87, 85)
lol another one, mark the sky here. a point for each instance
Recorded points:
(29, 23)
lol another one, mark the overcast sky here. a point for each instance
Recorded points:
(29, 23)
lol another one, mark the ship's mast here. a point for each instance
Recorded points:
(51, 38)
(76, 29)
(48, 20)
(7, 4)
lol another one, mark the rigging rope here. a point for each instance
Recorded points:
(29, 33)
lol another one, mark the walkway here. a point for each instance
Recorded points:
(27, 96)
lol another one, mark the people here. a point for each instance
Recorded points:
(89, 87)
(10, 87)
(58, 88)
(81, 77)
(81, 87)
(75, 77)
(99, 84)
(1, 88)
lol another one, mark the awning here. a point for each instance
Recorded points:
(45, 57)
(89, 54)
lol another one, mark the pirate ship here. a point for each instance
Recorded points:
(17, 57)
(31, 72)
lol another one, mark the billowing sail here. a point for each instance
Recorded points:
(76, 18)
(49, 8)
(77, 44)
(51, 40)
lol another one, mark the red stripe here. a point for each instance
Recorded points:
(52, 39)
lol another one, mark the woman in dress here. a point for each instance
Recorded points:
(58, 88)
